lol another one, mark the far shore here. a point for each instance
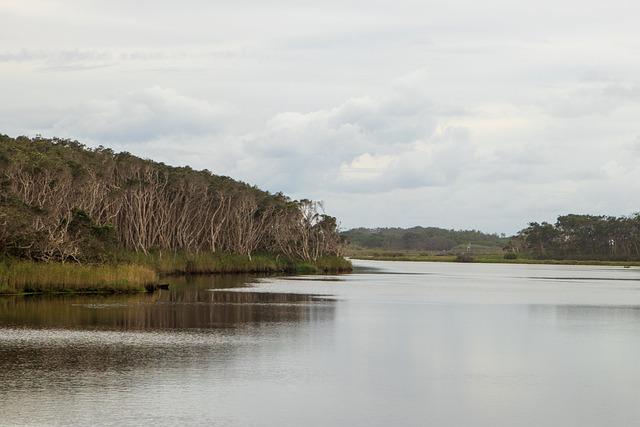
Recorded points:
(490, 259)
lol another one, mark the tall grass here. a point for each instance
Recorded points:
(134, 272)
(330, 264)
(204, 262)
(27, 276)
(215, 263)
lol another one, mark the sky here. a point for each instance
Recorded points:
(457, 114)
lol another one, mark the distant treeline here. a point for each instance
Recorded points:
(420, 239)
(581, 237)
(572, 237)
(60, 201)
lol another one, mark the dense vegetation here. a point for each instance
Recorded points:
(28, 276)
(581, 237)
(62, 201)
(572, 239)
(422, 239)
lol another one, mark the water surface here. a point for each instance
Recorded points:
(394, 343)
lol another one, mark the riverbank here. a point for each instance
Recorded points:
(131, 272)
(225, 263)
(485, 258)
(32, 277)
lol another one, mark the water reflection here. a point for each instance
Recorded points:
(440, 344)
(192, 302)
(587, 316)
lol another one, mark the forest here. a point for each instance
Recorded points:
(427, 239)
(573, 237)
(61, 201)
(581, 237)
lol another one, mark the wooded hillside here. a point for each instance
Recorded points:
(420, 238)
(61, 200)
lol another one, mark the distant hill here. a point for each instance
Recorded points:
(422, 239)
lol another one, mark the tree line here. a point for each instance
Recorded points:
(61, 200)
(571, 237)
(420, 238)
(581, 237)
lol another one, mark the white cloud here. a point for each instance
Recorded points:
(365, 144)
(366, 167)
(434, 113)
(142, 116)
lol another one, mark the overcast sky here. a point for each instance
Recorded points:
(459, 114)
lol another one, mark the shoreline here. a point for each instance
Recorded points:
(138, 273)
(484, 259)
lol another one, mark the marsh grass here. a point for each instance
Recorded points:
(205, 262)
(135, 272)
(35, 277)
(225, 263)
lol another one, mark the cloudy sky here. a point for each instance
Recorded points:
(453, 113)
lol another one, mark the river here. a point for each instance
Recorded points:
(393, 344)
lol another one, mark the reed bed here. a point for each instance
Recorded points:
(224, 263)
(135, 272)
(34, 277)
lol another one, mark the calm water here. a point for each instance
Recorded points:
(393, 344)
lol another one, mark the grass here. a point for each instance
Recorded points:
(34, 277)
(327, 264)
(136, 272)
(203, 263)
(225, 263)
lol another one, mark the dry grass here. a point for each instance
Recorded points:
(214, 263)
(27, 276)
(133, 272)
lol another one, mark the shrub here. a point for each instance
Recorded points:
(464, 258)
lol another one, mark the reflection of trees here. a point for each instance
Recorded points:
(592, 314)
(88, 338)
(188, 306)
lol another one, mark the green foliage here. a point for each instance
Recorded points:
(581, 237)
(420, 239)
(464, 258)
(62, 201)
(573, 238)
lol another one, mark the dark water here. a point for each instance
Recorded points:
(393, 344)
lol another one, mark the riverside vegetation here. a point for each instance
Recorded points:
(573, 239)
(73, 218)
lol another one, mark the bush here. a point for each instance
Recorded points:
(511, 255)
(464, 258)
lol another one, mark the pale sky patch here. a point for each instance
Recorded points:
(459, 114)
